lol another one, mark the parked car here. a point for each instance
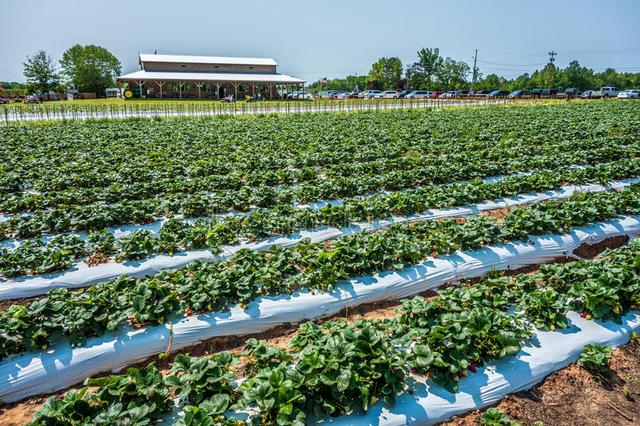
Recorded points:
(353, 95)
(346, 95)
(460, 93)
(327, 93)
(435, 94)
(337, 94)
(481, 93)
(547, 93)
(372, 94)
(499, 94)
(419, 94)
(4, 101)
(388, 94)
(303, 96)
(536, 92)
(518, 94)
(405, 92)
(629, 94)
(449, 94)
(368, 94)
(572, 92)
(606, 92)
(587, 94)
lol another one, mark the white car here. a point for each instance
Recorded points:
(629, 94)
(373, 94)
(303, 96)
(368, 94)
(419, 94)
(388, 94)
(606, 92)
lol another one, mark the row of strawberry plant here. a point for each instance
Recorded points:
(62, 252)
(205, 287)
(448, 167)
(101, 215)
(74, 155)
(340, 367)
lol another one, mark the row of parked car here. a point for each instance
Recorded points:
(572, 92)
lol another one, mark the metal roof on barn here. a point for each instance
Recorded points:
(222, 60)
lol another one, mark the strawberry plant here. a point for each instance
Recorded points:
(595, 358)
(495, 417)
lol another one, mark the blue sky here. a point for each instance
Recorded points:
(330, 38)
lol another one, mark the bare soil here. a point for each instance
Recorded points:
(574, 396)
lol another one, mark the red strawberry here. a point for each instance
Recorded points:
(188, 312)
(473, 367)
(583, 314)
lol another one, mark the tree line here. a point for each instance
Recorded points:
(89, 69)
(432, 71)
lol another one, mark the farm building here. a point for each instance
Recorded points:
(202, 77)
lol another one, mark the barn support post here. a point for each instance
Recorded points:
(180, 86)
(160, 84)
(140, 84)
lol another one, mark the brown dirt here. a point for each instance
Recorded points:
(573, 396)
(499, 214)
(590, 250)
(97, 258)
(20, 414)
(5, 304)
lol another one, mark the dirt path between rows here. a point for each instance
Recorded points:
(573, 396)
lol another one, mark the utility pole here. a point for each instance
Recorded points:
(475, 71)
(552, 56)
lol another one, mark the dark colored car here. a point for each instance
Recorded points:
(549, 92)
(482, 93)
(572, 92)
(519, 94)
(499, 94)
(405, 92)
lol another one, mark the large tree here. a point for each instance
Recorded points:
(90, 68)
(421, 74)
(40, 72)
(386, 71)
(452, 74)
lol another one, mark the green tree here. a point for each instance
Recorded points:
(90, 68)
(452, 74)
(387, 71)
(491, 82)
(421, 74)
(40, 72)
(350, 82)
(575, 75)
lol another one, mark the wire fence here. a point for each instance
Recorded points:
(129, 109)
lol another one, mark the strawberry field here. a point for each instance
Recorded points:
(124, 241)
